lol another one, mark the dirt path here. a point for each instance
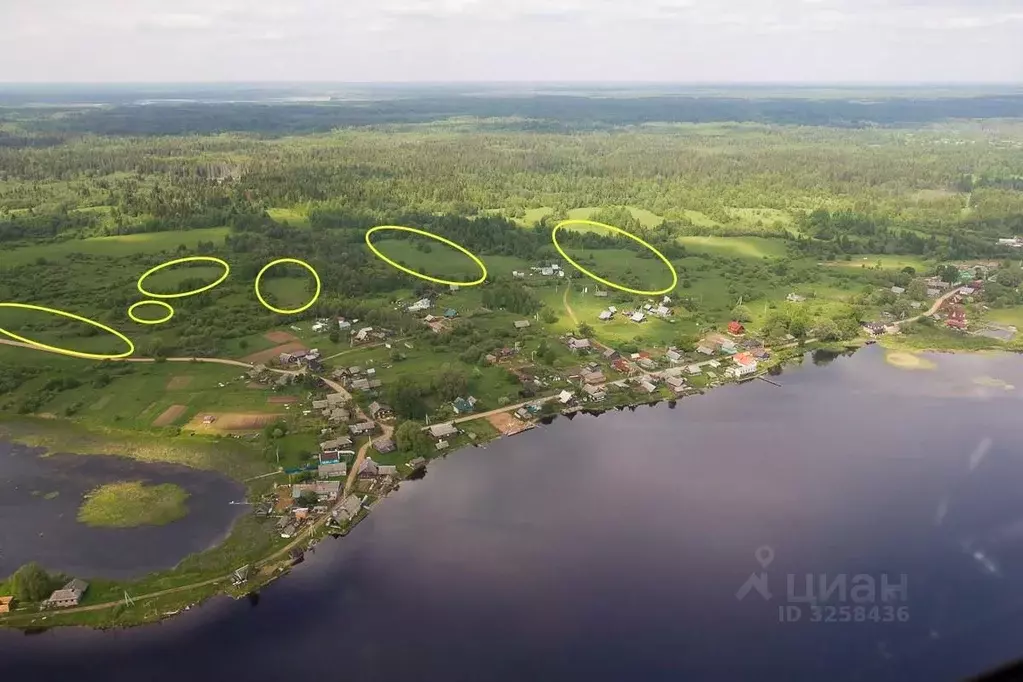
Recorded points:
(568, 308)
(934, 308)
(361, 456)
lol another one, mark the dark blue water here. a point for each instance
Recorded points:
(612, 548)
(37, 526)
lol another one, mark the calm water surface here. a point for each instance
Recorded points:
(612, 548)
(40, 497)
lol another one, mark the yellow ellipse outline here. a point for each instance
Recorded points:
(131, 312)
(656, 252)
(177, 261)
(282, 311)
(65, 351)
(431, 235)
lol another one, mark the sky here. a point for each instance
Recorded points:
(681, 41)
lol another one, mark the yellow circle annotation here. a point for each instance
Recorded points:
(613, 285)
(178, 261)
(65, 351)
(285, 311)
(167, 306)
(423, 233)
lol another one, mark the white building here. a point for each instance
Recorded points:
(745, 364)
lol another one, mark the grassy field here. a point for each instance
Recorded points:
(886, 262)
(744, 247)
(444, 262)
(124, 245)
(128, 504)
(295, 217)
(645, 217)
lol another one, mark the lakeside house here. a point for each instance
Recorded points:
(445, 430)
(745, 364)
(68, 596)
(6, 604)
(593, 377)
(565, 397)
(595, 394)
(369, 469)
(677, 384)
(349, 508)
(288, 531)
(647, 386)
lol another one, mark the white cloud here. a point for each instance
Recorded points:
(365, 40)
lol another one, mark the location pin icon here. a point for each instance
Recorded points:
(764, 556)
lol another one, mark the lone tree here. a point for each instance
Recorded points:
(410, 437)
(31, 583)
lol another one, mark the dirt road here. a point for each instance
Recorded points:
(568, 308)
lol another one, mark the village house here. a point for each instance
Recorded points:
(516, 273)
(646, 386)
(324, 490)
(336, 399)
(464, 405)
(874, 328)
(637, 317)
(728, 346)
(600, 293)
(333, 447)
(596, 394)
(933, 293)
(694, 369)
(343, 324)
(646, 363)
(288, 531)
(6, 604)
(594, 377)
(441, 444)
(320, 404)
(704, 350)
(445, 430)
(622, 365)
(380, 411)
(335, 470)
(349, 508)
(417, 462)
(565, 397)
(611, 355)
(957, 318)
(795, 298)
(362, 428)
(68, 596)
(450, 313)
(735, 328)
(363, 334)
(387, 470)
(677, 384)
(521, 324)
(421, 304)
(369, 469)
(605, 315)
(578, 344)
(745, 364)
(360, 385)
(662, 311)
(384, 445)
(338, 416)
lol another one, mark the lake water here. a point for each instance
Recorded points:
(613, 548)
(40, 497)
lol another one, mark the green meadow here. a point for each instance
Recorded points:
(124, 245)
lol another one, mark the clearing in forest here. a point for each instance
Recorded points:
(170, 415)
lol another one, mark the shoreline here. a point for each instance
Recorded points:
(269, 567)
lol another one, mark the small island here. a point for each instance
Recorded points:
(128, 504)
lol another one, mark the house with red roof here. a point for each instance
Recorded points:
(736, 328)
(745, 364)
